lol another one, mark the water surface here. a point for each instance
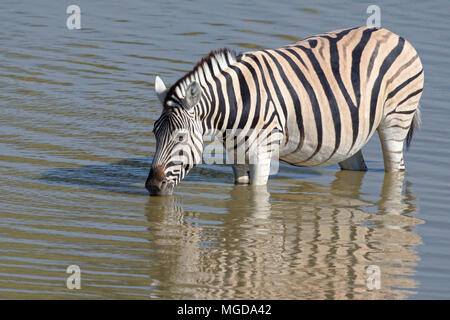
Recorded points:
(77, 108)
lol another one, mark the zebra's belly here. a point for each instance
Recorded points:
(310, 155)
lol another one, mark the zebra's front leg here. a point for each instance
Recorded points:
(355, 163)
(241, 173)
(260, 169)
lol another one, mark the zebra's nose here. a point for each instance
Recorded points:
(160, 188)
(157, 184)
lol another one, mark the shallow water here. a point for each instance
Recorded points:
(77, 108)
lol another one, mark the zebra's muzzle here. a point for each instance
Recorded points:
(163, 188)
(157, 184)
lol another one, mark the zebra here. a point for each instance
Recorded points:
(315, 102)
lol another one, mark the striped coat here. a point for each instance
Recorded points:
(318, 100)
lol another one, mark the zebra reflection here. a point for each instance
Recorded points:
(309, 241)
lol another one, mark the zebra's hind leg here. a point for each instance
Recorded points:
(355, 163)
(241, 173)
(392, 138)
(397, 127)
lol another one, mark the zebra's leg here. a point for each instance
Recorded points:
(241, 173)
(397, 127)
(392, 139)
(260, 170)
(355, 163)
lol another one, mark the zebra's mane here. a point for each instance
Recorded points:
(210, 66)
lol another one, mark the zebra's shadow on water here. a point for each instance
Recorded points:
(125, 176)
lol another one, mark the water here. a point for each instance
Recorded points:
(77, 108)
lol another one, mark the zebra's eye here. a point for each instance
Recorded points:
(180, 136)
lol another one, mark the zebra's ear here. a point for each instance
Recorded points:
(160, 89)
(193, 94)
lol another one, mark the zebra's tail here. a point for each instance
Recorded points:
(415, 125)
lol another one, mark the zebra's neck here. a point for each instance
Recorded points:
(205, 73)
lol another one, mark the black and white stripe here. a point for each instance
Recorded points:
(318, 100)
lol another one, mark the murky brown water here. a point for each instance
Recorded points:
(77, 108)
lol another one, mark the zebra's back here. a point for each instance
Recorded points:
(332, 91)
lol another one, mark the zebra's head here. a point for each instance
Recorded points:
(178, 133)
